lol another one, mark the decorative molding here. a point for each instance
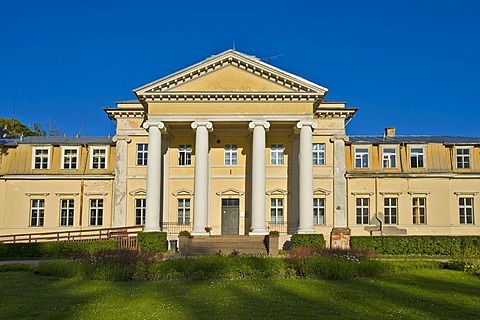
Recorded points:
(138, 192)
(362, 194)
(320, 191)
(390, 193)
(335, 112)
(425, 193)
(182, 192)
(230, 192)
(472, 194)
(277, 192)
(103, 194)
(65, 194)
(37, 194)
(229, 97)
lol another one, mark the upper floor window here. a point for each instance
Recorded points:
(185, 155)
(142, 154)
(66, 212)
(319, 211)
(98, 158)
(183, 211)
(37, 212)
(69, 158)
(363, 210)
(419, 210)
(417, 158)
(463, 158)
(318, 153)
(465, 206)
(140, 210)
(276, 154)
(361, 157)
(390, 210)
(389, 157)
(276, 210)
(41, 158)
(230, 157)
(96, 212)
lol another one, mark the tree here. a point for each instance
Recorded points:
(14, 128)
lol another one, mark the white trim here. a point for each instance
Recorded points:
(395, 147)
(409, 157)
(276, 192)
(92, 148)
(63, 157)
(182, 192)
(355, 148)
(34, 155)
(470, 156)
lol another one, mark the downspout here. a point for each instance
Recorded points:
(82, 184)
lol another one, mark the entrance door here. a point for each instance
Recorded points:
(230, 216)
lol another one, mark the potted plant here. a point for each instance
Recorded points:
(208, 230)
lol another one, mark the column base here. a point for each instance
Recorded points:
(151, 230)
(258, 232)
(200, 232)
(340, 238)
(305, 230)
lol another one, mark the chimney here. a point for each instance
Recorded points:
(390, 132)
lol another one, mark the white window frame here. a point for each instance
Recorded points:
(463, 210)
(362, 153)
(412, 153)
(277, 212)
(362, 210)
(142, 154)
(318, 154)
(34, 156)
(388, 208)
(92, 149)
(463, 157)
(389, 157)
(230, 154)
(184, 211)
(277, 151)
(416, 210)
(69, 209)
(140, 211)
(96, 211)
(37, 212)
(186, 151)
(77, 153)
(319, 210)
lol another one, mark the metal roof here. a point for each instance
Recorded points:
(56, 140)
(415, 139)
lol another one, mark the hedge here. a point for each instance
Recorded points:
(53, 249)
(419, 245)
(307, 241)
(152, 241)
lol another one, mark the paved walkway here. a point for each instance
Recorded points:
(21, 262)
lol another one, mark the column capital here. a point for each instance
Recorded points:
(122, 138)
(300, 124)
(206, 124)
(263, 123)
(147, 124)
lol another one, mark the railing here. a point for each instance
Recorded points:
(175, 227)
(281, 227)
(74, 235)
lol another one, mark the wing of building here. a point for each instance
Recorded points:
(240, 146)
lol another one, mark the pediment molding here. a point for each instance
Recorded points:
(276, 192)
(137, 192)
(251, 64)
(230, 192)
(321, 192)
(182, 192)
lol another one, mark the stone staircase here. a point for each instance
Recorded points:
(224, 245)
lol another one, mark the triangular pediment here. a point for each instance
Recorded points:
(230, 71)
(230, 192)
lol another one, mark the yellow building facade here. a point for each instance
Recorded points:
(242, 147)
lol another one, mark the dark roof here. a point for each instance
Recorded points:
(415, 139)
(56, 140)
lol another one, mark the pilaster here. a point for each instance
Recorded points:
(120, 186)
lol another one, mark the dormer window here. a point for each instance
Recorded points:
(98, 158)
(41, 158)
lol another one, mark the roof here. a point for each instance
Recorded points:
(56, 140)
(415, 139)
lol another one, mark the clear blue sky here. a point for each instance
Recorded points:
(410, 64)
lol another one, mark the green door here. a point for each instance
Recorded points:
(230, 216)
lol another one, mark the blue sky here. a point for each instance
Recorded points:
(410, 64)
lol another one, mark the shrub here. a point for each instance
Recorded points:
(152, 241)
(274, 233)
(307, 241)
(184, 233)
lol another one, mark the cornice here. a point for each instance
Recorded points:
(124, 113)
(229, 97)
(335, 112)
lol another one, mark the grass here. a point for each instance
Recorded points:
(413, 294)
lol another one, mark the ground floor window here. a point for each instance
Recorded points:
(37, 211)
(465, 206)
(183, 211)
(419, 210)
(140, 209)
(319, 211)
(96, 212)
(276, 210)
(390, 210)
(362, 208)
(66, 212)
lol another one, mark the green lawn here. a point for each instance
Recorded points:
(417, 294)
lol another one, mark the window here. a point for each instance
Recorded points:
(96, 212)
(362, 210)
(41, 158)
(361, 157)
(318, 211)
(66, 212)
(185, 155)
(183, 211)
(463, 158)
(389, 157)
(416, 158)
(390, 210)
(230, 154)
(140, 209)
(465, 206)
(37, 211)
(142, 154)
(318, 154)
(69, 158)
(419, 207)
(98, 158)
(276, 210)
(276, 154)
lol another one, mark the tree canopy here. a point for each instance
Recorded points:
(14, 128)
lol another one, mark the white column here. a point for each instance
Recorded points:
(152, 215)
(200, 205)
(120, 186)
(258, 177)
(306, 177)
